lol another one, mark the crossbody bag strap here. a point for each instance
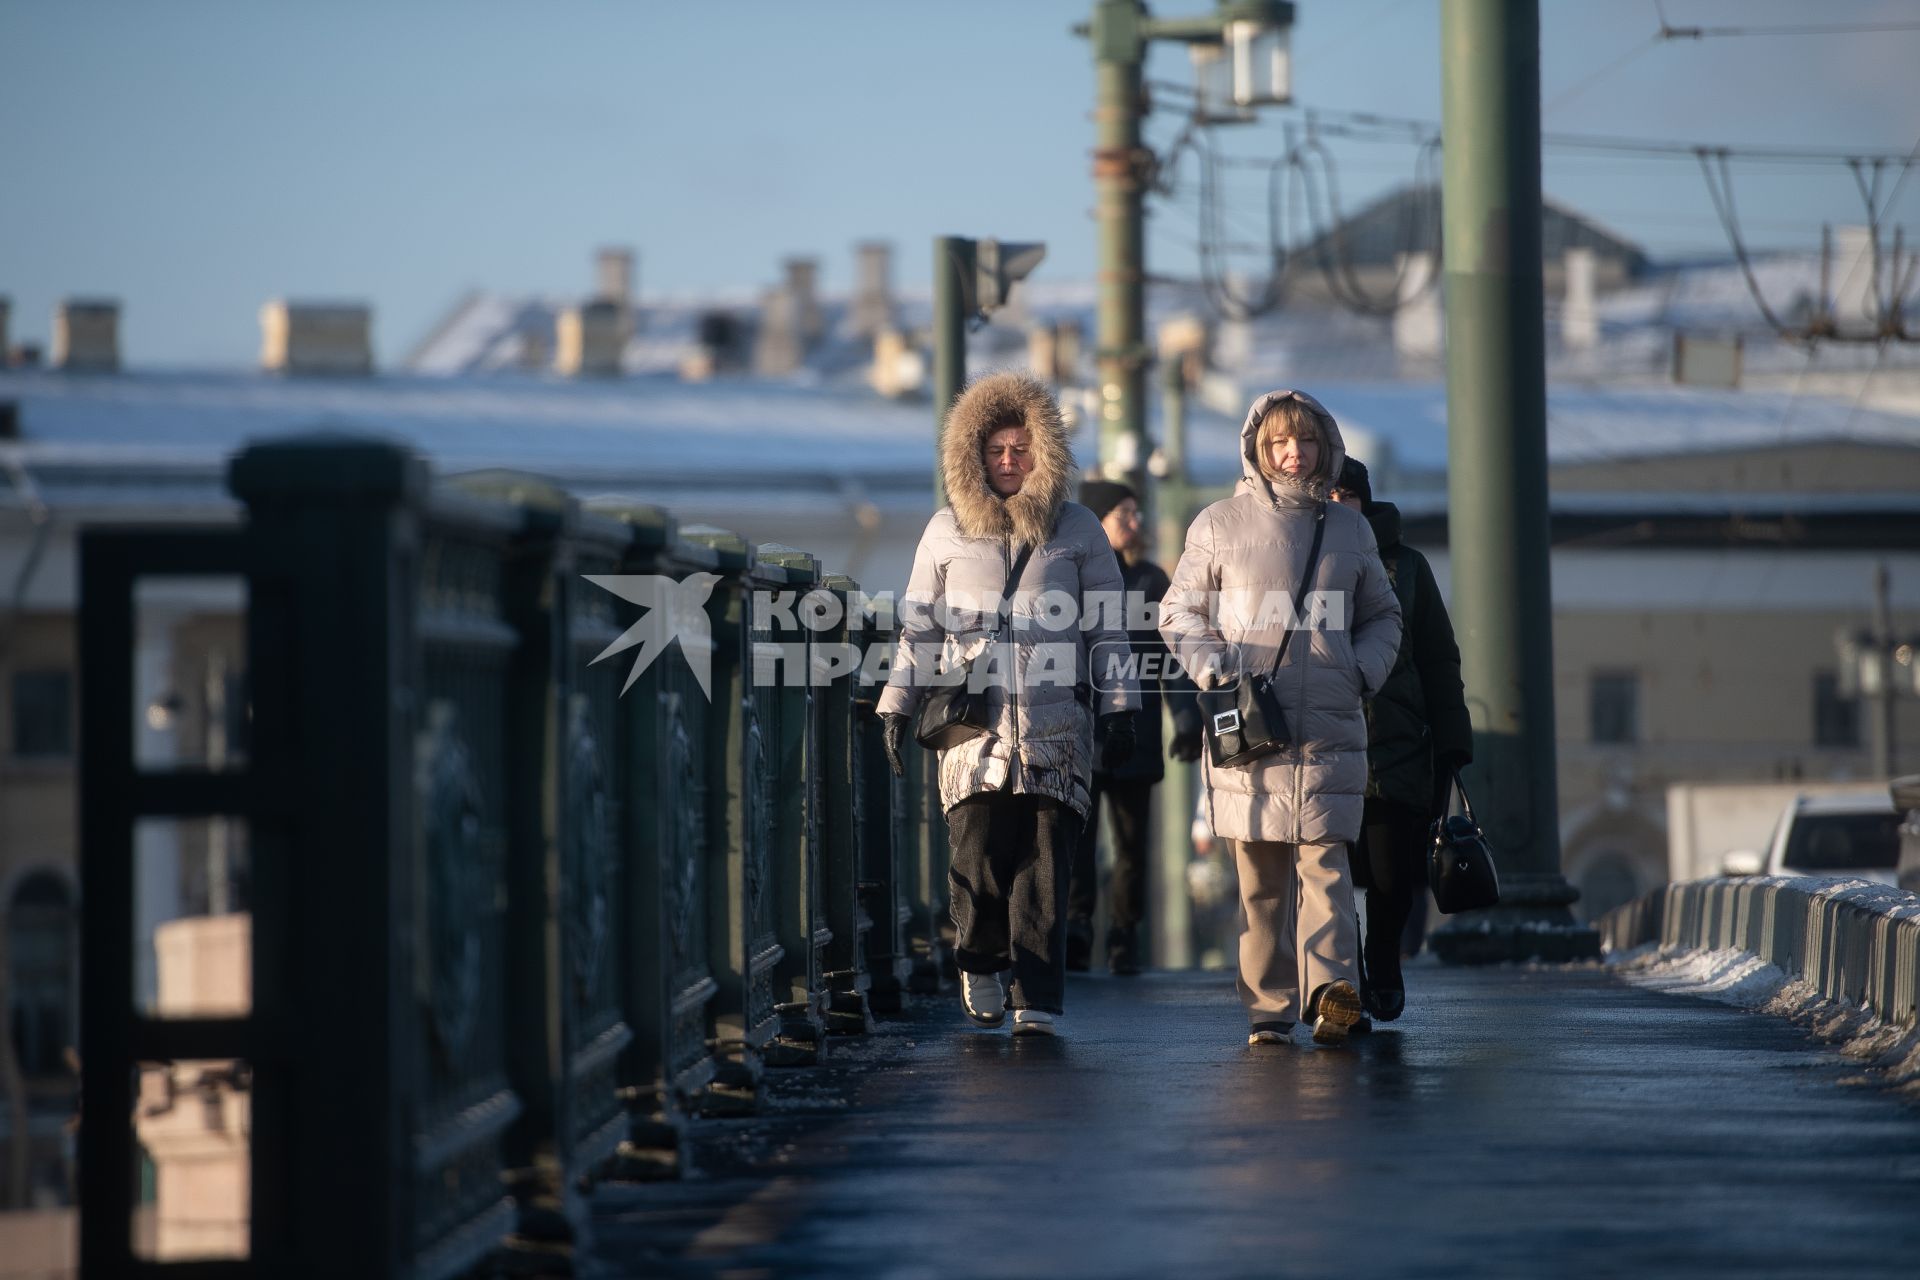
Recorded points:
(1306, 581)
(1014, 575)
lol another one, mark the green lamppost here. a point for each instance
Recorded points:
(1242, 60)
(1497, 518)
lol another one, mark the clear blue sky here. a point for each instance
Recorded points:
(194, 157)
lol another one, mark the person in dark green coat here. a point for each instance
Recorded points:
(1418, 734)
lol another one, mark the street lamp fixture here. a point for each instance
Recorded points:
(1213, 86)
(1242, 60)
(1262, 54)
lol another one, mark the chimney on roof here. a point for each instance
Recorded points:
(777, 346)
(590, 339)
(873, 288)
(303, 338)
(1579, 322)
(1850, 268)
(613, 276)
(803, 278)
(86, 335)
(1419, 327)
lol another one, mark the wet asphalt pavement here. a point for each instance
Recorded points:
(1516, 1122)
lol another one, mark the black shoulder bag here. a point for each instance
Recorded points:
(1245, 723)
(1460, 867)
(953, 713)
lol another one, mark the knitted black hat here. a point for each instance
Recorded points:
(1354, 480)
(1102, 496)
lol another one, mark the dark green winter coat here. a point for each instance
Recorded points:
(1420, 712)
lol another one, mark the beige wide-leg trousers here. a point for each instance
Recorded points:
(1300, 933)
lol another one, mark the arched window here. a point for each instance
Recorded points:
(40, 949)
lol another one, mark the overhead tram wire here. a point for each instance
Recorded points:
(1588, 81)
(1343, 283)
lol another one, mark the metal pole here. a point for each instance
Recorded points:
(953, 266)
(1119, 48)
(1883, 697)
(1498, 527)
(1173, 935)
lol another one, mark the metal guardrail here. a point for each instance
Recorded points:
(516, 919)
(1852, 942)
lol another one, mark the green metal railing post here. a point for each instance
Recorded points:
(844, 834)
(741, 941)
(1497, 473)
(783, 678)
(661, 918)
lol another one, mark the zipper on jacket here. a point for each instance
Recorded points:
(1013, 654)
(1306, 661)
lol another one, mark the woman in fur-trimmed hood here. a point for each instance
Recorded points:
(1015, 795)
(1289, 816)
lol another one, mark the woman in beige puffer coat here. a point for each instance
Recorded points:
(1014, 797)
(1289, 817)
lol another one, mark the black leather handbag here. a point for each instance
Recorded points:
(1246, 723)
(955, 711)
(1460, 868)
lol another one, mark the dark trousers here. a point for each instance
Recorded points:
(1009, 891)
(1390, 861)
(1129, 810)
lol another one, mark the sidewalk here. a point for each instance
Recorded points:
(1515, 1122)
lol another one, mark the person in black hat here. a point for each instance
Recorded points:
(1129, 788)
(1418, 733)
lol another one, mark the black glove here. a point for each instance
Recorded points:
(1116, 740)
(1188, 739)
(893, 735)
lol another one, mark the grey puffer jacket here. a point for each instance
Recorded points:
(1230, 597)
(1043, 712)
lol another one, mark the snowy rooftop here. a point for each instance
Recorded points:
(654, 434)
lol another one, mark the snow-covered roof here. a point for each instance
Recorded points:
(149, 435)
(1404, 425)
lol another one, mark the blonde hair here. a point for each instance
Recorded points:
(1290, 419)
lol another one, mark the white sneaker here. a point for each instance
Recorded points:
(984, 999)
(1034, 1022)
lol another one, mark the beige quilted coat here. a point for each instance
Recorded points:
(1042, 739)
(1247, 549)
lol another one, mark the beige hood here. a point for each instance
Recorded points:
(1255, 482)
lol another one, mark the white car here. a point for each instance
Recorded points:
(1849, 834)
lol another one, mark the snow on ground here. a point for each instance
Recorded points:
(1888, 1054)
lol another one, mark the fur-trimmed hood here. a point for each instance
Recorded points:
(997, 399)
(1253, 480)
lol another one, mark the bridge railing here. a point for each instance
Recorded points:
(1852, 942)
(527, 894)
